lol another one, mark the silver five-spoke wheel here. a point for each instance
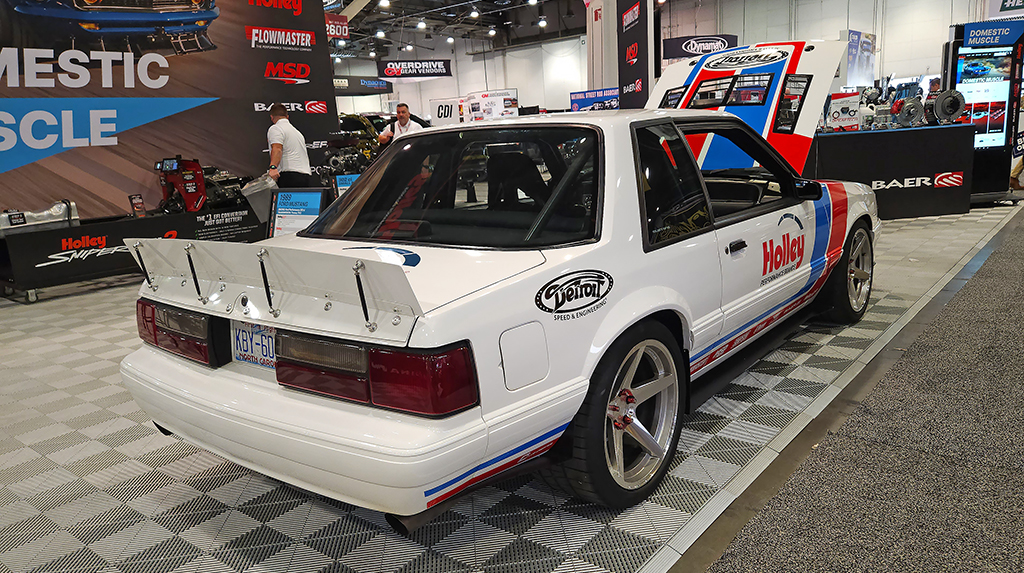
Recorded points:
(860, 269)
(642, 414)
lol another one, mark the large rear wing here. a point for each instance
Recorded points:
(357, 297)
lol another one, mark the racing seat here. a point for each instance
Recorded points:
(507, 174)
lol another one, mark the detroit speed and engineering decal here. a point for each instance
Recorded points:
(575, 295)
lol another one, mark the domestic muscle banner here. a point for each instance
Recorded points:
(85, 114)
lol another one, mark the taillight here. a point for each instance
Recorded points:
(322, 366)
(429, 383)
(182, 332)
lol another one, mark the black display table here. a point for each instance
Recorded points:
(914, 172)
(95, 248)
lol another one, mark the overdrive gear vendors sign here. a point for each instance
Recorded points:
(414, 68)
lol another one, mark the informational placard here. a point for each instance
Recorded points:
(594, 99)
(844, 112)
(447, 111)
(494, 104)
(343, 182)
(293, 211)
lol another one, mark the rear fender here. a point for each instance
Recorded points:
(631, 310)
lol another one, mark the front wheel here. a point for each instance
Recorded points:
(849, 286)
(625, 434)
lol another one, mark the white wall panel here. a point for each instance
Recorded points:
(911, 32)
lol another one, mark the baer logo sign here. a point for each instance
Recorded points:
(746, 59)
(945, 179)
(575, 295)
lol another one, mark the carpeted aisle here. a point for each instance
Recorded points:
(928, 473)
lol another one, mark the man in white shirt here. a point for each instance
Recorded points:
(289, 162)
(401, 127)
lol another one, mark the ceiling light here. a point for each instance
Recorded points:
(492, 31)
(532, 2)
(384, 3)
(337, 59)
(408, 48)
(373, 54)
(380, 33)
(543, 22)
(474, 13)
(342, 43)
(450, 40)
(422, 25)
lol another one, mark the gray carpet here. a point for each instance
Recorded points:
(926, 475)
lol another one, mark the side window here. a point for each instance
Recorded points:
(673, 199)
(791, 101)
(738, 172)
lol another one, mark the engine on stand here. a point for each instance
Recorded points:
(188, 186)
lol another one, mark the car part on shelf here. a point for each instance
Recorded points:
(908, 112)
(945, 107)
(61, 214)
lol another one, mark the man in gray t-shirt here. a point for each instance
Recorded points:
(289, 162)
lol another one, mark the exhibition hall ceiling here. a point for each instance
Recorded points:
(422, 23)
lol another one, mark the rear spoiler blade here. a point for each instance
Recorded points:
(305, 286)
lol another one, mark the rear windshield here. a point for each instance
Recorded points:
(495, 187)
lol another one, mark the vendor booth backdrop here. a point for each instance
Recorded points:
(85, 117)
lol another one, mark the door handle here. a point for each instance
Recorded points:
(736, 246)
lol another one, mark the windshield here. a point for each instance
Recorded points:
(495, 187)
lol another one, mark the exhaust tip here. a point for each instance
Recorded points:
(163, 430)
(396, 523)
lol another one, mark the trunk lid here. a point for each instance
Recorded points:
(314, 284)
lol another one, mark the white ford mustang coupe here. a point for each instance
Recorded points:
(534, 293)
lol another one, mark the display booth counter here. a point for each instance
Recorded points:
(915, 172)
(95, 248)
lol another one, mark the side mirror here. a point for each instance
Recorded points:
(808, 190)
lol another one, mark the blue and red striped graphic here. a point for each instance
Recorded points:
(830, 234)
(494, 466)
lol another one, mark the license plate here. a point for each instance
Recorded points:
(253, 343)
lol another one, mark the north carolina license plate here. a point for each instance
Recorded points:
(253, 343)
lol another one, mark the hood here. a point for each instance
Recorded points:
(817, 59)
(314, 285)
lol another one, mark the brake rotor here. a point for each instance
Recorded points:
(949, 106)
(910, 113)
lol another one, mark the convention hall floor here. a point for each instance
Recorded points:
(87, 483)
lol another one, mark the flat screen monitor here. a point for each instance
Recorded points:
(983, 76)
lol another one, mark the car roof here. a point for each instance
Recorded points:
(603, 119)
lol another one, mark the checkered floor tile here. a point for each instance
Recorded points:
(87, 483)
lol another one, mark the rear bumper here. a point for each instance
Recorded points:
(379, 460)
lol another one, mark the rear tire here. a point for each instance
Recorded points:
(625, 434)
(848, 288)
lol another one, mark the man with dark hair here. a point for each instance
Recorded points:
(289, 162)
(401, 126)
